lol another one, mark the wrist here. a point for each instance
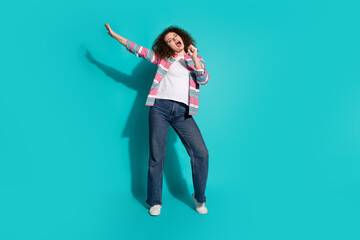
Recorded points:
(120, 39)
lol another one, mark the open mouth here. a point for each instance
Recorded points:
(178, 44)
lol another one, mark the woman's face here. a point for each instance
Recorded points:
(174, 41)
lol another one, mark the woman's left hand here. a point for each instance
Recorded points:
(192, 51)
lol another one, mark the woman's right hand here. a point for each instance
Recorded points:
(111, 32)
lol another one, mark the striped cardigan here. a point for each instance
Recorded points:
(196, 77)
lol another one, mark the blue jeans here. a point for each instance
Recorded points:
(163, 113)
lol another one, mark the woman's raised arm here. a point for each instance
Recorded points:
(134, 48)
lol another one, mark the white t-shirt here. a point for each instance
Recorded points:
(175, 83)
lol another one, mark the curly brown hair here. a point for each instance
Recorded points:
(160, 47)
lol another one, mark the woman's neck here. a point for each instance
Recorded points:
(179, 54)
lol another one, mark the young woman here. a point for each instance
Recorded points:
(173, 100)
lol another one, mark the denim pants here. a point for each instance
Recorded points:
(163, 113)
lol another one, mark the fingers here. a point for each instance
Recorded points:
(107, 27)
(192, 48)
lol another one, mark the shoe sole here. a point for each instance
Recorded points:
(154, 214)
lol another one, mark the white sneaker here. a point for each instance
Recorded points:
(155, 210)
(200, 207)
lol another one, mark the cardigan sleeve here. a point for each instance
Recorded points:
(199, 71)
(142, 52)
(202, 76)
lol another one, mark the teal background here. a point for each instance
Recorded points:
(280, 116)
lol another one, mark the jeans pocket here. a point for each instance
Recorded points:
(162, 103)
(159, 106)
